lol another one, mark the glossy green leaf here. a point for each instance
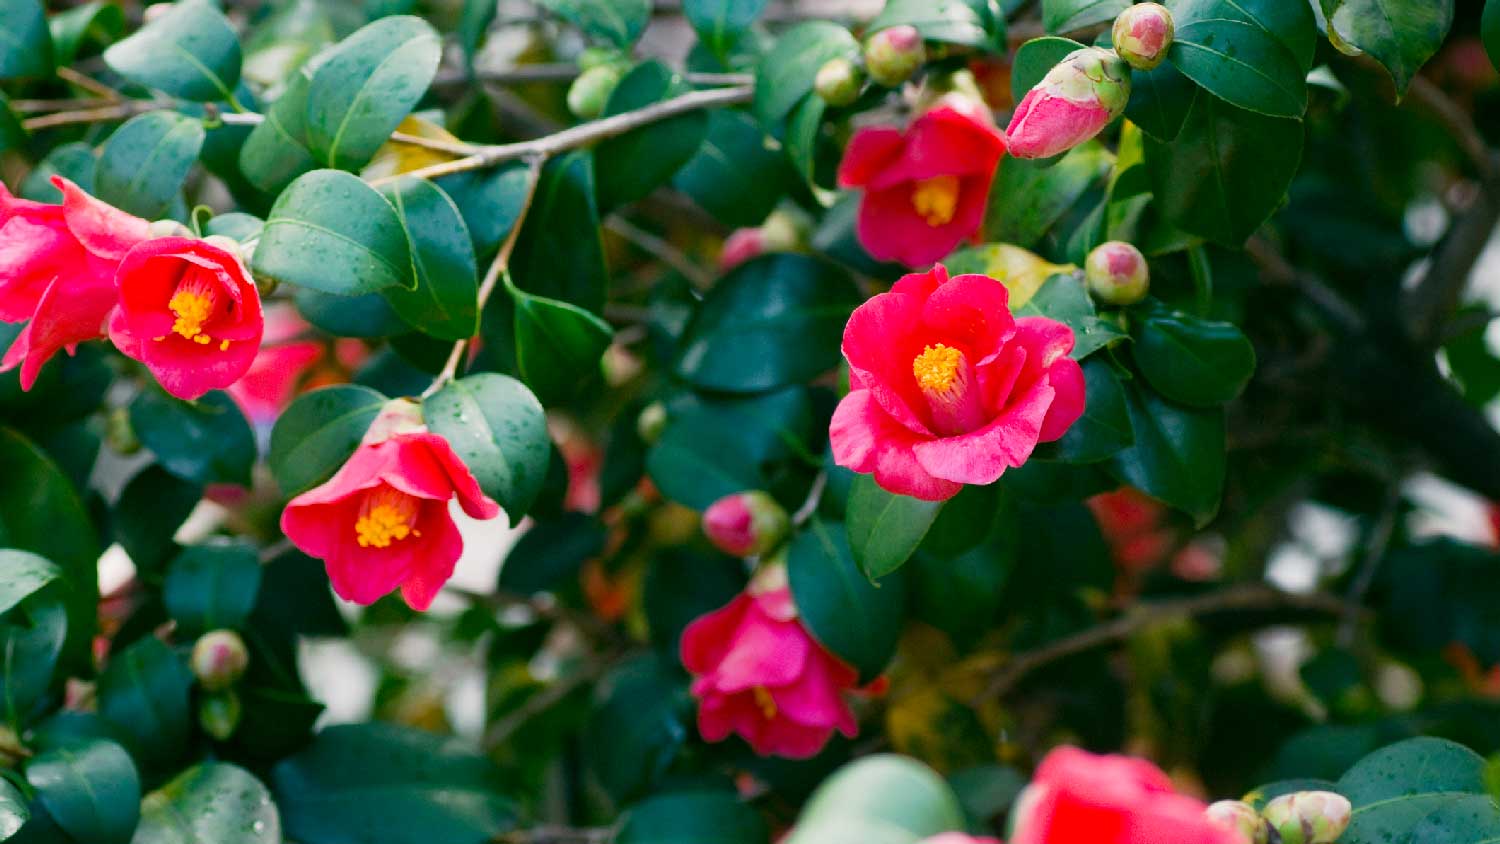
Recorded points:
(332, 232)
(803, 131)
(25, 43)
(212, 587)
(1029, 198)
(638, 724)
(559, 254)
(629, 166)
(683, 585)
(721, 23)
(1490, 31)
(150, 509)
(1068, 15)
(445, 303)
(74, 161)
(12, 133)
(191, 52)
(143, 694)
(317, 433)
(384, 784)
(210, 803)
(206, 441)
(90, 789)
(968, 23)
(1104, 428)
(367, 315)
(550, 553)
(473, 25)
(1400, 34)
(1178, 455)
(14, 811)
(1034, 59)
(497, 427)
(619, 22)
(858, 620)
(1193, 361)
(1423, 789)
(785, 74)
(366, 86)
(31, 640)
(1242, 64)
(1063, 298)
(22, 573)
(884, 529)
(100, 21)
(558, 345)
(735, 176)
(690, 817)
(880, 799)
(145, 162)
(1160, 100)
(276, 150)
(1293, 24)
(490, 201)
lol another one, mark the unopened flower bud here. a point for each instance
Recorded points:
(1117, 274)
(219, 659)
(745, 524)
(596, 56)
(1241, 818)
(590, 91)
(893, 54)
(785, 231)
(1143, 34)
(168, 228)
(1309, 817)
(12, 751)
(1074, 102)
(651, 422)
(838, 82)
(219, 714)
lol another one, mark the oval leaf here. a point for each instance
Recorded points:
(1242, 64)
(211, 803)
(25, 42)
(1400, 34)
(631, 165)
(332, 232)
(1422, 785)
(445, 303)
(619, 22)
(31, 640)
(720, 23)
(22, 574)
(190, 52)
(558, 345)
(693, 816)
(1194, 361)
(212, 587)
(205, 441)
(882, 799)
(498, 428)
(143, 693)
(786, 72)
(885, 528)
(145, 162)
(90, 788)
(859, 621)
(1178, 455)
(317, 433)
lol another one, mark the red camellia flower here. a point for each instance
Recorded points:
(757, 672)
(1079, 797)
(189, 312)
(925, 188)
(57, 269)
(382, 520)
(947, 389)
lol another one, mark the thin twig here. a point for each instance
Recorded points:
(1375, 548)
(41, 106)
(1457, 123)
(557, 835)
(102, 114)
(660, 249)
(88, 83)
(500, 732)
(810, 505)
(563, 72)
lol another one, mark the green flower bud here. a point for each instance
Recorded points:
(219, 659)
(168, 228)
(892, 55)
(1143, 34)
(1309, 817)
(1241, 818)
(651, 422)
(1117, 274)
(590, 91)
(219, 714)
(119, 434)
(12, 751)
(838, 82)
(597, 56)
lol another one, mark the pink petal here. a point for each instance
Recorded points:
(1066, 378)
(870, 151)
(102, 228)
(709, 637)
(980, 457)
(864, 438)
(441, 546)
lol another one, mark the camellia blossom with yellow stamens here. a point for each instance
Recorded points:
(382, 521)
(925, 188)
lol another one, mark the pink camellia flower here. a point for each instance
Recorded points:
(925, 188)
(947, 389)
(757, 672)
(57, 269)
(1077, 796)
(382, 520)
(1087, 90)
(189, 312)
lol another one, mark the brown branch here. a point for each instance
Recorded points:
(1378, 541)
(556, 835)
(101, 114)
(564, 72)
(661, 249)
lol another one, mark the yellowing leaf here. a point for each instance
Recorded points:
(396, 157)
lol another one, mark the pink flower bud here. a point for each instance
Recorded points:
(1309, 817)
(745, 524)
(892, 55)
(838, 82)
(219, 659)
(1143, 34)
(1117, 273)
(741, 246)
(1074, 102)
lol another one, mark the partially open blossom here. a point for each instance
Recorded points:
(1309, 817)
(1074, 102)
(745, 524)
(947, 389)
(1240, 817)
(757, 672)
(1077, 796)
(57, 269)
(1142, 35)
(925, 189)
(189, 312)
(1117, 274)
(382, 521)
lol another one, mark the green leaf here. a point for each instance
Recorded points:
(629, 166)
(1242, 64)
(445, 303)
(498, 428)
(1293, 24)
(967, 23)
(1068, 15)
(1104, 428)
(884, 529)
(551, 552)
(146, 161)
(473, 24)
(490, 202)
(276, 150)
(1193, 361)
(691, 817)
(1034, 59)
(332, 232)
(858, 620)
(1226, 172)
(735, 176)
(366, 86)
(880, 799)
(74, 161)
(720, 23)
(367, 315)
(14, 812)
(31, 640)
(1029, 198)
(1400, 34)
(1178, 455)
(383, 784)
(637, 726)
(1160, 100)
(803, 130)
(317, 433)
(212, 587)
(90, 789)
(558, 345)
(683, 585)
(619, 22)
(25, 42)
(773, 321)
(786, 72)
(206, 441)
(22, 573)
(100, 21)
(12, 133)
(190, 52)
(559, 254)
(1423, 789)
(1063, 298)
(143, 693)
(1489, 29)
(210, 803)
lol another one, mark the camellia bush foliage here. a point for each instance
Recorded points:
(923, 421)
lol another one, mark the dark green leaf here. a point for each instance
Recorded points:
(1194, 361)
(446, 302)
(682, 586)
(1030, 198)
(206, 441)
(1293, 24)
(1104, 428)
(143, 693)
(559, 254)
(276, 150)
(490, 201)
(558, 345)
(619, 22)
(881, 799)
(74, 162)
(691, 817)
(1490, 30)
(366, 315)
(1242, 64)
(720, 23)
(14, 813)
(1400, 34)
(859, 621)
(212, 587)
(1160, 100)
(317, 433)
(31, 640)
(631, 165)
(551, 552)
(497, 427)
(145, 162)
(803, 129)
(100, 21)
(332, 232)
(735, 176)
(90, 789)
(1068, 15)
(211, 803)
(968, 23)
(474, 24)
(1063, 298)
(25, 43)
(1034, 59)
(786, 72)
(1178, 455)
(12, 133)
(637, 726)
(190, 52)
(22, 573)
(1423, 789)
(884, 528)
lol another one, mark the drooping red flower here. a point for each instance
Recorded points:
(759, 673)
(947, 388)
(382, 521)
(925, 188)
(1078, 796)
(57, 269)
(190, 312)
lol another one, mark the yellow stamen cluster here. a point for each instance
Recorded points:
(386, 516)
(193, 304)
(937, 368)
(936, 199)
(766, 703)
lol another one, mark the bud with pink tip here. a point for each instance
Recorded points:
(1241, 818)
(219, 659)
(893, 54)
(1074, 102)
(1117, 273)
(745, 524)
(1309, 817)
(1143, 34)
